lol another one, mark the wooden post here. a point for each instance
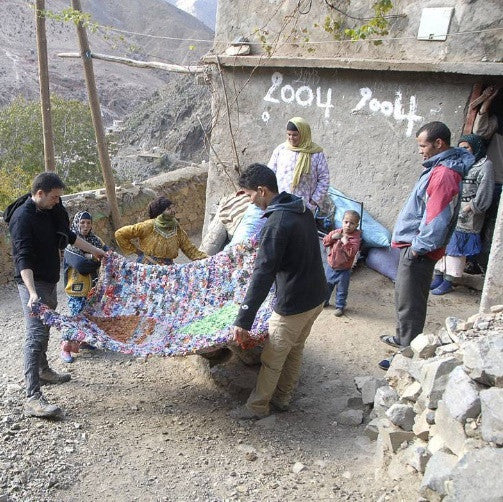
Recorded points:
(43, 79)
(85, 54)
(192, 70)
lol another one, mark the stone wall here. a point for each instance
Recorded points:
(185, 187)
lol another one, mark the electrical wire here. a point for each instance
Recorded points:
(381, 39)
(162, 37)
(385, 39)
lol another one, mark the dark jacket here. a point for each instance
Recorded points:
(289, 253)
(83, 265)
(75, 259)
(37, 236)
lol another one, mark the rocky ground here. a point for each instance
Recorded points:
(158, 429)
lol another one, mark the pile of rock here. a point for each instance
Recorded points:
(441, 412)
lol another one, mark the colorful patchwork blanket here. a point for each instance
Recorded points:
(165, 310)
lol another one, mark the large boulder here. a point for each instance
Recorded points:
(492, 415)
(401, 415)
(450, 430)
(476, 477)
(483, 359)
(434, 377)
(421, 427)
(392, 437)
(398, 374)
(411, 392)
(369, 388)
(424, 345)
(438, 470)
(384, 398)
(461, 396)
(250, 357)
(418, 456)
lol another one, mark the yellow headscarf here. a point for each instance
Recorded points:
(306, 148)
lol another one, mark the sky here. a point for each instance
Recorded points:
(204, 10)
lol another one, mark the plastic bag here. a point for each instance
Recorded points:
(374, 235)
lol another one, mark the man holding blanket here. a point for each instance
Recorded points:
(289, 255)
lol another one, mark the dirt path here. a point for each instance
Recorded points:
(158, 430)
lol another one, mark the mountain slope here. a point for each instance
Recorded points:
(165, 133)
(120, 87)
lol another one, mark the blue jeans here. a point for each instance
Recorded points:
(339, 278)
(37, 335)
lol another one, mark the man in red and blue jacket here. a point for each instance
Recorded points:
(424, 227)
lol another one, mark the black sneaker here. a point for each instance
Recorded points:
(473, 268)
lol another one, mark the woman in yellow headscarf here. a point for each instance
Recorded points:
(300, 165)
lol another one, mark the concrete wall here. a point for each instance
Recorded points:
(237, 18)
(185, 187)
(365, 121)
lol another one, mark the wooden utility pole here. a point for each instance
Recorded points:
(85, 54)
(43, 79)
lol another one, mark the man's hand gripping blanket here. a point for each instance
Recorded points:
(171, 310)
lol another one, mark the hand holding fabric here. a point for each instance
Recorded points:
(241, 336)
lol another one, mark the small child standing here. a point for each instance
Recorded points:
(80, 271)
(343, 244)
(476, 199)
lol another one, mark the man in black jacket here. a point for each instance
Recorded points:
(289, 254)
(39, 228)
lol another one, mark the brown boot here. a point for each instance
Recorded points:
(243, 413)
(49, 376)
(37, 406)
(279, 405)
